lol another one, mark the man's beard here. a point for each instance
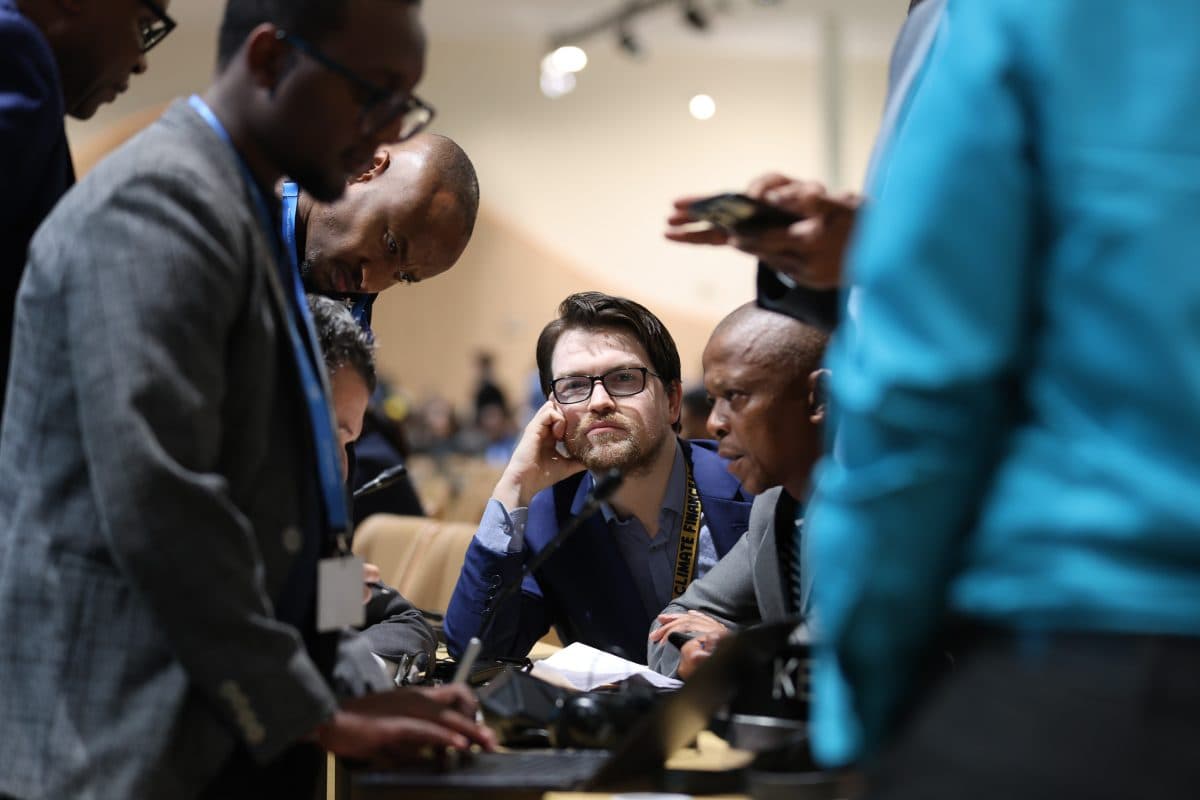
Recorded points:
(630, 450)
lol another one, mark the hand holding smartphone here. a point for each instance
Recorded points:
(740, 214)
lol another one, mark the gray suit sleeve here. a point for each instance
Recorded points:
(726, 593)
(154, 284)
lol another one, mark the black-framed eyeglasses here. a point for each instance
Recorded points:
(623, 382)
(380, 107)
(153, 31)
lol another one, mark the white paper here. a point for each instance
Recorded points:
(585, 668)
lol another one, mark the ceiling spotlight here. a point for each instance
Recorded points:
(702, 107)
(556, 84)
(567, 58)
(694, 17)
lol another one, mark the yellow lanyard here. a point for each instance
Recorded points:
(689, 538)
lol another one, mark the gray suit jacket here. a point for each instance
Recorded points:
(153, 445)
(744, 588)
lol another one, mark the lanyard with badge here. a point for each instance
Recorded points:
(339, 578)
(689, 536)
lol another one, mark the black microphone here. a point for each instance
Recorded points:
(381, 481)
(603, 490)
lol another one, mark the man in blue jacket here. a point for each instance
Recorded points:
(56, 59)
(611, 372)
(1018, 443)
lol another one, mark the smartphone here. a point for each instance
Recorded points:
(738, 213)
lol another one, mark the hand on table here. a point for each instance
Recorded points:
(704, 630)
(695, 651)
(406, 724)
(694, 622)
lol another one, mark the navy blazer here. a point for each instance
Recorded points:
(585, 590)
(35, 161)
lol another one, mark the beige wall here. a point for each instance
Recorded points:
(497, 298)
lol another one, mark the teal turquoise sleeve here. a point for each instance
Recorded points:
(921, 381)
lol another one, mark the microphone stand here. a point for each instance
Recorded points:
(381, 481)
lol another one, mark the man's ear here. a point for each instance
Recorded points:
(267, 57)
(818, 395)
(379, 165)
(675, 404)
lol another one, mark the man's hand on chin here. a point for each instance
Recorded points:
(538, 462)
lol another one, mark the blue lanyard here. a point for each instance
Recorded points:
(361, 309)
(360, 304)
(300, 327)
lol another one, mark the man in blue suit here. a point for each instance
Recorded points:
(1018, 441)
(56, 59)
(611, 371)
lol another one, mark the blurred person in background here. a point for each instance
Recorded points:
(693, 418)
(385, 442)
(499, 432)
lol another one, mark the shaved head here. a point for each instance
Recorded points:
(764, 337)
(406, 219)
(451, 171)
(762, 370)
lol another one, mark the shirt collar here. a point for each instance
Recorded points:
(672, 500)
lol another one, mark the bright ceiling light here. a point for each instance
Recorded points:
(702, 106)
(568, 58)
(556, 84)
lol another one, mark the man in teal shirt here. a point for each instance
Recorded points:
(1018, 436)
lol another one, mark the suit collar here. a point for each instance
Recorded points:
(223, 159)
(672, 499)
(712, 476)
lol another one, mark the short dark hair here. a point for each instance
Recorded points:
(343, 343)
(309, 19)
(597, 311)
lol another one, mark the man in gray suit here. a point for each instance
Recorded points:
(161, 514)
(763, 371)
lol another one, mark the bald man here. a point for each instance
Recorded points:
(406, 219)
(763, 371)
